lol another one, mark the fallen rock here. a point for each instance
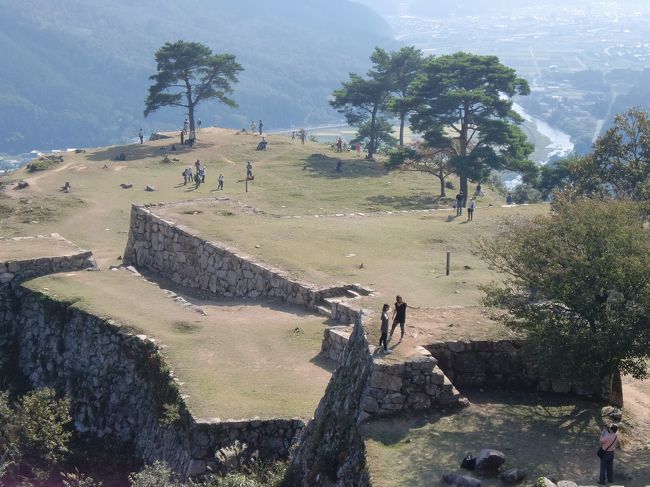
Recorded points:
(157, 136)
(455, 480)
(513, 476)
(489, 461)
(22, 184)
(612, 412)
(126, 185)
(150, 187)
(544, 482)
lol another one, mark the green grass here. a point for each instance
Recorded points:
(242, 359)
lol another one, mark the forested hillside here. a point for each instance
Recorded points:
(75, 73)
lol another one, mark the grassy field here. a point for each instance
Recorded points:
(241, 359)
(543, 435)
(290, 179)
(34, 248)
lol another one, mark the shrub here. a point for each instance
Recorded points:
(43, 163)
(157, 474)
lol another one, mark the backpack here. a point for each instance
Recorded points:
(469, 462)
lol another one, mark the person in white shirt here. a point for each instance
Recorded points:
(608, 442)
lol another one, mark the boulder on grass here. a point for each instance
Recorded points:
(455, 480)
(612, 412)
(126, 185)
(489, 461)
(150, 187)
(513, 476)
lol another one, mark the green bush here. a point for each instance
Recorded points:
(35, 432)
(43, 163)
(157, 474)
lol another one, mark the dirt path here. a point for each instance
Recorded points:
(636, 395)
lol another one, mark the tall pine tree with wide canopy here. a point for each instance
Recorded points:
(189, 73)
(464, 104)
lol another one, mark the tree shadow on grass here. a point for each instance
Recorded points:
(527, 427)
(408, 202)
(136, 152)
(321, 165)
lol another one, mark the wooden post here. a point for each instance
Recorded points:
(448, 263)
(247, 182)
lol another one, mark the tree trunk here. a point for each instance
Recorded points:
(373, 134)
(615, 393)
(402, 120)
(190, 114)
(442, 185)
(464, 186)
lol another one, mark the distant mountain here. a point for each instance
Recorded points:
(75, 72)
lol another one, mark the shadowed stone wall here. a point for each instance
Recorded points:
(168, 250)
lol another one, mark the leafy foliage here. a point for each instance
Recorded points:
(422, 159)
(619, 165)
(577, 284)
(465, 106)
(35, 432)
(188, 73)
(363, 101)
(158, 474)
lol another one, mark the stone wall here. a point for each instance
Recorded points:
(413, 384)
(497, 364)
(335, 339)
(120, 387)
(331, 451)
(166, 249)
(12, 272)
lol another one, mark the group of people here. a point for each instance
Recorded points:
(198, 177)
(256, 128)
(399, 318)
(460, 201)
(301, 134)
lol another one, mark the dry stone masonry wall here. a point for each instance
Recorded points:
(167, 249)
(119, 384)
(497, 364)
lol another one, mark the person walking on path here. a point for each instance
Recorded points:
(399, 316)
(249, 170)
(459, 204)
(259, 126)
(383, 341)
(141, 135)
(220, 182)
(608, 442)
(470, 209)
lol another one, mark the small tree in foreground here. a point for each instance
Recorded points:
(422, 159)
(577, 285)
(189, 73)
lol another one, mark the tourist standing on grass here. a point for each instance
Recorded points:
(303, 136)
(259, 126)
(459, 203)
(470, 209)
(399, 315)
(357, 146)
(608, 442)
(383, 341)
(220, 182)
(249, 170)
(199, 124)
(293, 135)
(141, 135)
